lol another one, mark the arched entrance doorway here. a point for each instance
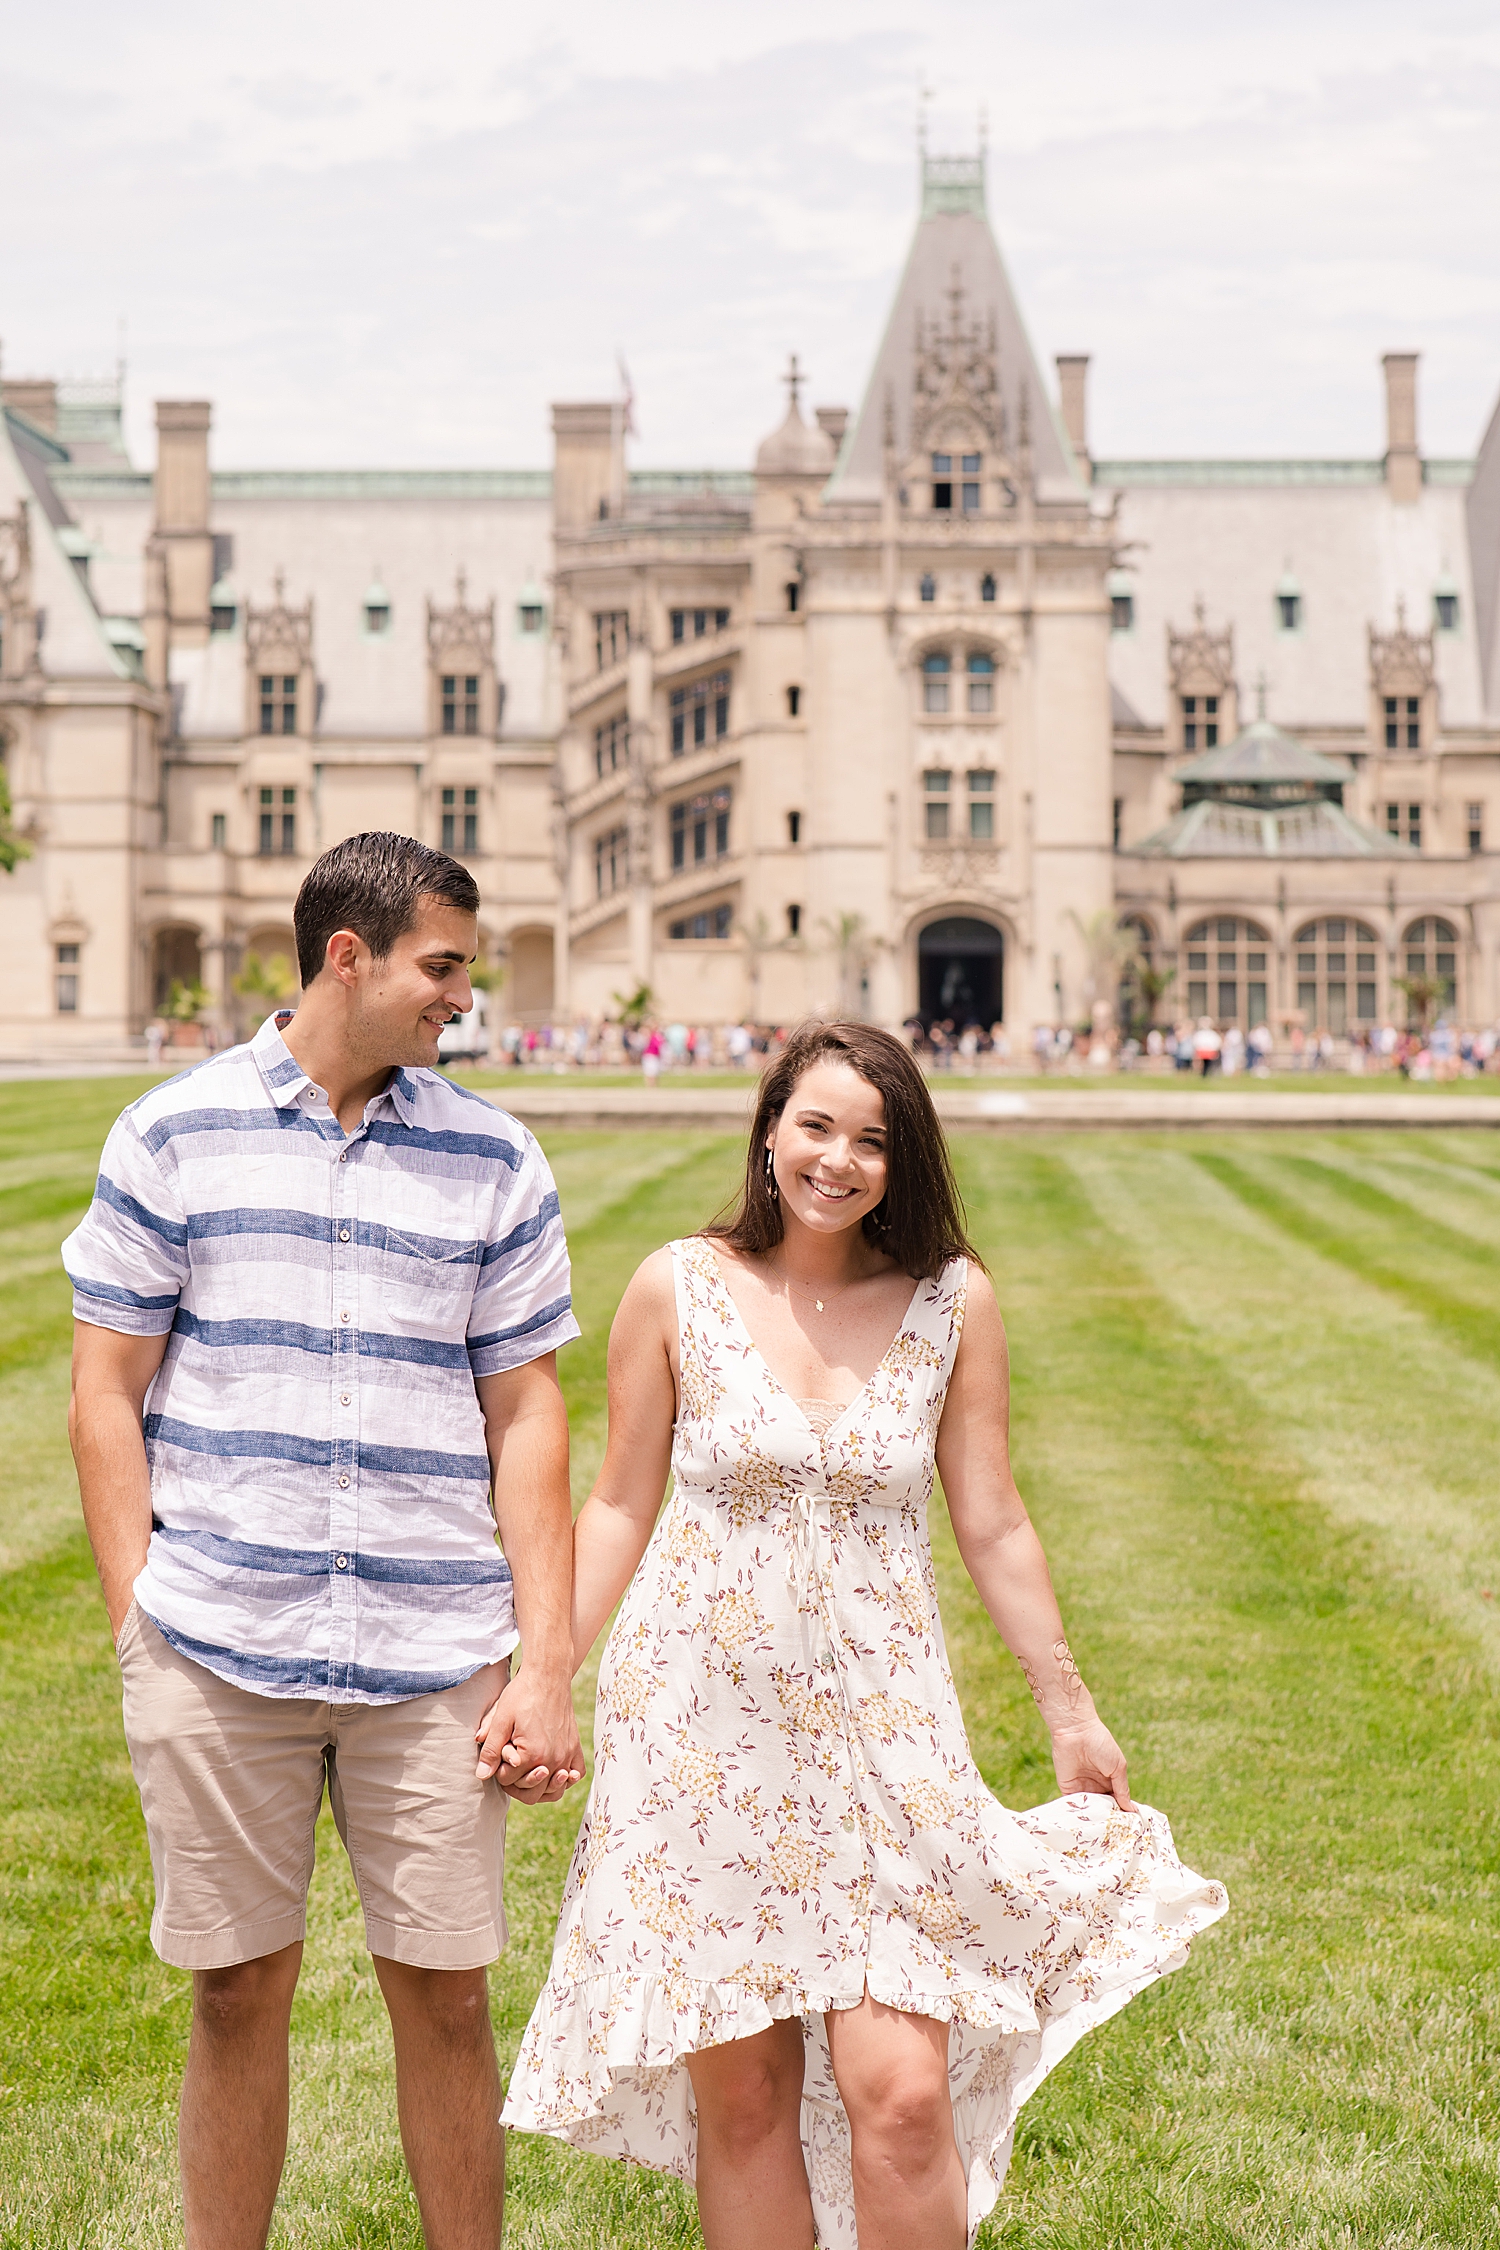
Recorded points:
(176, 958)
(960, 972)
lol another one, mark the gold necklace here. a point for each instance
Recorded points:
(818, 1305)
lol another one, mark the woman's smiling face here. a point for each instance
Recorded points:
(828, 1149)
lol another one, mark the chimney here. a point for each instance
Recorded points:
(182, 512)
(588, 464)
(34, 399)
(1403, 463)
(834, 420)
(1072, 387)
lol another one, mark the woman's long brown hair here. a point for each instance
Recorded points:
(919, 1221)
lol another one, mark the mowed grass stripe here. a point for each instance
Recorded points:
(1386, 1425)
(87, 2155)
(1465, 1203)
(1322, 2073)
(1433, 1269)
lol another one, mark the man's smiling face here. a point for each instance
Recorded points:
(405, 999)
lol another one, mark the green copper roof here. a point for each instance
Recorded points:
(951, 184)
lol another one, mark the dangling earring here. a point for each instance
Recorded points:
(771, 1188)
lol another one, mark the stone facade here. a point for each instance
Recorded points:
(891, 722)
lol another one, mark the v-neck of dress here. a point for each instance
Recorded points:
(775, 1380)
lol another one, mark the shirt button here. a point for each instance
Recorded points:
(343, 1398)
(343, 1484)
(341, 1562)
(343, 1234)
(343, 1156)
(343, 1316)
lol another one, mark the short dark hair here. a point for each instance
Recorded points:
(372, 884)
(919, 1221)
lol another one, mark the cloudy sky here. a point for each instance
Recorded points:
(381, 234)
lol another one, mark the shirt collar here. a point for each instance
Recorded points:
(285, 1077)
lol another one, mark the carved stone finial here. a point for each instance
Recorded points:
(794, 380)
(1200, 662)
(279, 584)
(1401, 663)
(1260, 693)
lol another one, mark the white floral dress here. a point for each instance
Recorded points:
(785, 1810)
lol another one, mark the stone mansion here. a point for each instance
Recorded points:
(893, 721)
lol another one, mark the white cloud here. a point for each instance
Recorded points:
(375, 235)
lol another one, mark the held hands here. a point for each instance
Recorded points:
(528, 1738)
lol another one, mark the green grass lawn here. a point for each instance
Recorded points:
(1257, 1390)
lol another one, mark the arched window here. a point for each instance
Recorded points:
(1429, 949)
(1228, 971)
(936, 666)
(1337, 973)
(1139, 990)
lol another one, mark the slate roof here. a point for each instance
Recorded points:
(953, 232)
(1262, 754)
(1313, 829)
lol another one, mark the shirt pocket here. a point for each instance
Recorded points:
(427, 1283)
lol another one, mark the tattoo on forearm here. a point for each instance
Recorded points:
(1062, 1656)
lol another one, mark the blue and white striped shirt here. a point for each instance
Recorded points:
(320, 1486)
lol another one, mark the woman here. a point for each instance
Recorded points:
(804, 1956)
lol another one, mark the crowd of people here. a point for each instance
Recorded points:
(1202, 1049)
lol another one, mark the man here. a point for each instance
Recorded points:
(343, 1282)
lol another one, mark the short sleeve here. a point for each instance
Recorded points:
(523, 1303)
(127, 1259)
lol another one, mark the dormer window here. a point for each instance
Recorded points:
(1288, 605)
(1200, 722)
(223, 609)
(1445, 610)
(460, 703)
(927, 587)
(376, 610)
(970, 490)
(531, 609)
(1403, 722)
(1121, 613)
(987, 587)
(942, 481)
(935, 671)
(981, 682)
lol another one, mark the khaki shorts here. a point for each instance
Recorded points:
(232, 1785)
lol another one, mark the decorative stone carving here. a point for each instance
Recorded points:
(281, 628)
(18, 653)
(1200, 662)
(957, 375)
(1400, 662)
(15, 558)
(461, 630)
(959, 864)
